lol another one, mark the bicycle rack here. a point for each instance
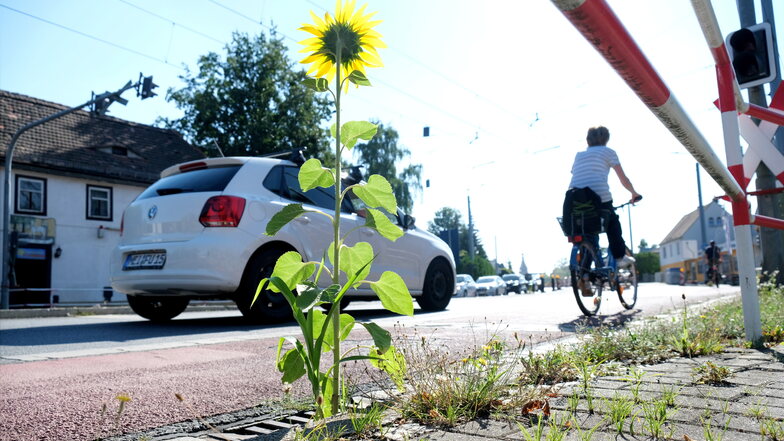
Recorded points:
(596, 21)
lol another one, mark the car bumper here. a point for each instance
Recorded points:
(207, 265)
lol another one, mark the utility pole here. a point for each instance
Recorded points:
(771, 240)
(471, 250)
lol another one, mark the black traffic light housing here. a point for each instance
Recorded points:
(751, 52)
(147, 87)
(102, 102)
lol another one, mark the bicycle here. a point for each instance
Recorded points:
(713, 275)
(589, 275)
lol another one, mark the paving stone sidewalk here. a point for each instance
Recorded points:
(734, 409)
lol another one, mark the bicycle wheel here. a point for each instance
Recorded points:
(586, 286)
(626, 285)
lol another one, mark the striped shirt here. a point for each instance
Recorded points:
(591, 168)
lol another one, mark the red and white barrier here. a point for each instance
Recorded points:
(601, 27)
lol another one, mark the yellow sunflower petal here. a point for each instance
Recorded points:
(312, 30)
(319, 22)
(370, 59)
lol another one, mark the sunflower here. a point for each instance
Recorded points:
(350, 34)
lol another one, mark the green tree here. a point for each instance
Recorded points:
(251, 102)
(643, 244)
(477, 267)
(647, 262)
(446, 218)
(381, 155)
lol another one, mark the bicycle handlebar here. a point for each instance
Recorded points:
(637, 199)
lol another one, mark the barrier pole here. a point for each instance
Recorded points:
(730, 102)
(601, 27)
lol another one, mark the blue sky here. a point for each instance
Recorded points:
(507, 87)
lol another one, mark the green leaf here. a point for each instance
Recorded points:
(292, 365)
(392, 362)
(381, 337)
(283, 217)
(377, 193)
(308, 299)
(353, 131)
(317, 84)
(312, 175)
(359, 78)
(346, 325)
(381, 223)
(393, 293)
(291, 270)
(328, 295)
(319, 318)
(356, 260)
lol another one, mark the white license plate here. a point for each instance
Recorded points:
(144, 261)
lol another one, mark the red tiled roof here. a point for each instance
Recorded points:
(71, 144)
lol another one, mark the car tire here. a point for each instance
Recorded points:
(270, 307)
(157, 309)
(439, 285)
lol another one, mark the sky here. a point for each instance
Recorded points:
(508, 89)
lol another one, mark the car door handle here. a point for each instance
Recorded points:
(368, 232)
(302, 220)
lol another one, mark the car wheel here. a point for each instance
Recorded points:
(158, 309)
(439, 284)
(269, 306)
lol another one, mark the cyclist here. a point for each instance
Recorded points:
(712, 259)
(591, 169)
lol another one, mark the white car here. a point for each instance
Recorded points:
(466, 287)
(490, 286)
(198, 233)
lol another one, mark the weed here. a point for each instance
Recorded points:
(772, 429)
(538, 430)
(710, 373)
(618, 410)
(757, 411)
(585, 435)
(669, 394)
(656, 414)
(368, 420)
(572, 402)
(708, 431)
(557, 429)
(548, 368)
(587, 372)
(181, 399)
(635, 378)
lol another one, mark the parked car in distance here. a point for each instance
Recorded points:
(514, 283)
(466, 286)
(490, 286)
(198, 233)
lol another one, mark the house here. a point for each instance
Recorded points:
(683, 249)
(71, 179)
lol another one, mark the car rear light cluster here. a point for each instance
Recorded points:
(222, 211)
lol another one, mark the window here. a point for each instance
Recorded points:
(213, 179)
(99, 203)
(290, 189)
(30, 195)
(711, 222)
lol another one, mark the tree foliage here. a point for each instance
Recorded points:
(381, 155)
(250, 102)
(647, 262)
(446, 218)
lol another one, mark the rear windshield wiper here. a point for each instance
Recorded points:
(167, 191)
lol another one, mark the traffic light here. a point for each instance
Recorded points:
(147, 87)
(751, 51)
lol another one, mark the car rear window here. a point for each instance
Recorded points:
(195, 181)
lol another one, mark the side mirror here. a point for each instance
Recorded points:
(408, 222)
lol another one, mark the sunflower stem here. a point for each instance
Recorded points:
(335, 310)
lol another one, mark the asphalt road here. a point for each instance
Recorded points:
(57, 373)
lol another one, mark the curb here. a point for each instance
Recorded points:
(71, 311)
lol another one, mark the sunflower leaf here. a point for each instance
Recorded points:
(353, 131)
(291, 270)
(377, 193)
(312, 175)
(355, 260)
(381, 223)
(359, 78)
(317, 84)
(393, 293)
(283, 217)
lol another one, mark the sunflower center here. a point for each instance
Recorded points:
(344, 38)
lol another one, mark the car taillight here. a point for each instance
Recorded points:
(222, 211)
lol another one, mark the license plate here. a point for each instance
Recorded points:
(144, 261)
